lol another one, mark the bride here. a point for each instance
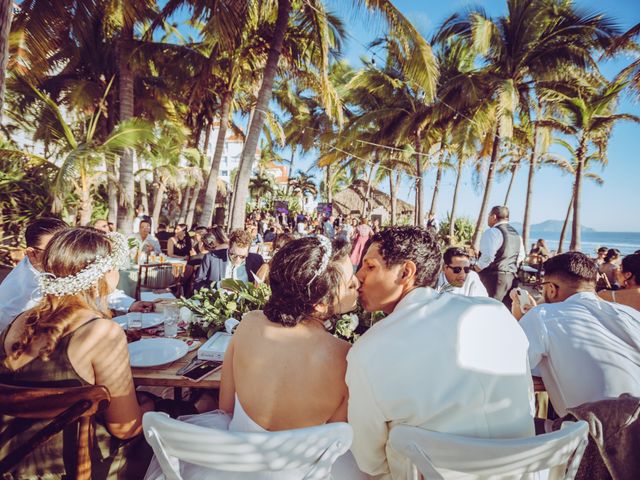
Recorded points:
(283, 370)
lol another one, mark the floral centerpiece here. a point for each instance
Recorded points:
(210, 307)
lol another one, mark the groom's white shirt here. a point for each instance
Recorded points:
(443, 362)
(20, 291)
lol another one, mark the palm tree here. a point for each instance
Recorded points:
(305, 183)
(589, 115)
(262, 186)
(625, 43)
(420, 55)
(6, 8)
(533, 40)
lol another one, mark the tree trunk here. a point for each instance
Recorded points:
(209, 206)
(192, 207)
(436, 188)
(6, 11)
(394, 186)
(566, 223)
(112, 192)
(86, 206)
(419, 186)
(262, 104)
(475, 241)
(144, 194)
(157, 205)
(126, 206)
(533, 164)
(327, 183)
(576, 232)
(514, 171)
(454, 204)
(367, 197)
(184, 206)
(293, 155)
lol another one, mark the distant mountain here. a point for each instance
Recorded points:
(549, 226)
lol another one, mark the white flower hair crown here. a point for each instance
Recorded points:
(325, 244)
(89, 275)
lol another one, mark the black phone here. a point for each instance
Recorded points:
(198, 372)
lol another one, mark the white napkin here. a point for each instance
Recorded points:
(230, 324)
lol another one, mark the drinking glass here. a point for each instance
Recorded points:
(134, 321)
(171, 318)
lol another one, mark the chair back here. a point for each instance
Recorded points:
(444, 456)
(63, 406)
(258, 454)
(155, 276)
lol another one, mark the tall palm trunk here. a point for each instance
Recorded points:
(566, 222)
(184, 205)
(576, 232)
(514, 171)
(533, 164)
(144, 194)
(6, 10)
(328, 189)
(436, 188)
(112, 192)
(86, 205)
(157, 204)
(192, 206)
(262, 104)
(394, 186)
(127, 185)
(454, 204)
(209, 206)
(419, 185)
(367, 197)
(475, 240)
(293, 156)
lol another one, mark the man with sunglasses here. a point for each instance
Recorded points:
(235, 262)
(586, 349)
(457, 276)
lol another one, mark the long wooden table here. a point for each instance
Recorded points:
(165, 375)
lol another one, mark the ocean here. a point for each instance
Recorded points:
(626, 242)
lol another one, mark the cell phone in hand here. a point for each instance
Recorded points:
(200, 371)
(523, 297)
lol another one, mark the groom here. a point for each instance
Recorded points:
(447, 363)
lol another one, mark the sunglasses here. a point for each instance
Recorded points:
(237, 257)
(457, 270)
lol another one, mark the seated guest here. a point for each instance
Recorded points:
(629, 278)
(283, 370)
(457, 276)
(235, 262)
(163, 236)
(20, 289)
(280, 241)
(586, 349)
(180, 245)
(198, 245)
(539, 253)
(145, 242)
(68, 339)
(448, 363)
(602, 252)
(270, 234)
(611, 267)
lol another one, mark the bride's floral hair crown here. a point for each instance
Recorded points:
(89, 275)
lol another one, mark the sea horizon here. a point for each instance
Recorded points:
(626, 242)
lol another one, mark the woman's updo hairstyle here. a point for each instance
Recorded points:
(612, 254)
(68, 252)
(298, 282)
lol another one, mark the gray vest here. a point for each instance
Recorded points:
(507, 255)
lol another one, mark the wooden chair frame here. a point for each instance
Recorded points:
(143, 275)
(62, 406)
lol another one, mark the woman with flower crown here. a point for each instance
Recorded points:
(283, 370)
(68, 339)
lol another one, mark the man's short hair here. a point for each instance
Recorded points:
(399, 244)
(454, 252)
(241, 238)
(41, 227)
(573, 267)
(500, 211)
(603, 250)
(631, 264)
(162, 226)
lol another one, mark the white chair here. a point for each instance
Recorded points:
(311, 450)
(444, 456)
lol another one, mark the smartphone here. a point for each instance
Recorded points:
(523, 297)
(200, 371)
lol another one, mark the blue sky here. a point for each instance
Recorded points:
(611, 207)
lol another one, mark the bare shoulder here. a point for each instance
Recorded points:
(101, 333)
(605, 295)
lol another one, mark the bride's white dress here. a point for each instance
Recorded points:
(344, 468)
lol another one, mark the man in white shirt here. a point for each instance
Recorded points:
(501, 253)
(585, 348)
(20, 289)
(442, 362)
(457, 277)
(146, 242)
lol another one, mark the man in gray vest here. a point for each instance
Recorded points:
(501, 252)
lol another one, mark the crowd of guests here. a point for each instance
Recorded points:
(446, 357)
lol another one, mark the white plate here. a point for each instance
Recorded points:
(151, 352)
(150, 296)
(148, 319)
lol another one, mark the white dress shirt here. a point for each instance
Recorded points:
(586, 349)
(236, 273)
(150, 240)
(490, 242)
(442, 362)
(472, 286)
(20, 291)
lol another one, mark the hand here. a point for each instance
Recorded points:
(516, 309)
(148, 248)
(144, 307)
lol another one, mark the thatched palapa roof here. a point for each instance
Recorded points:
(352, 199)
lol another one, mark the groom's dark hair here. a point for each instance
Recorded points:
(399, 244)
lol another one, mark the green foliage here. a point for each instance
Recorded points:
(212, 306)
(463, 231)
